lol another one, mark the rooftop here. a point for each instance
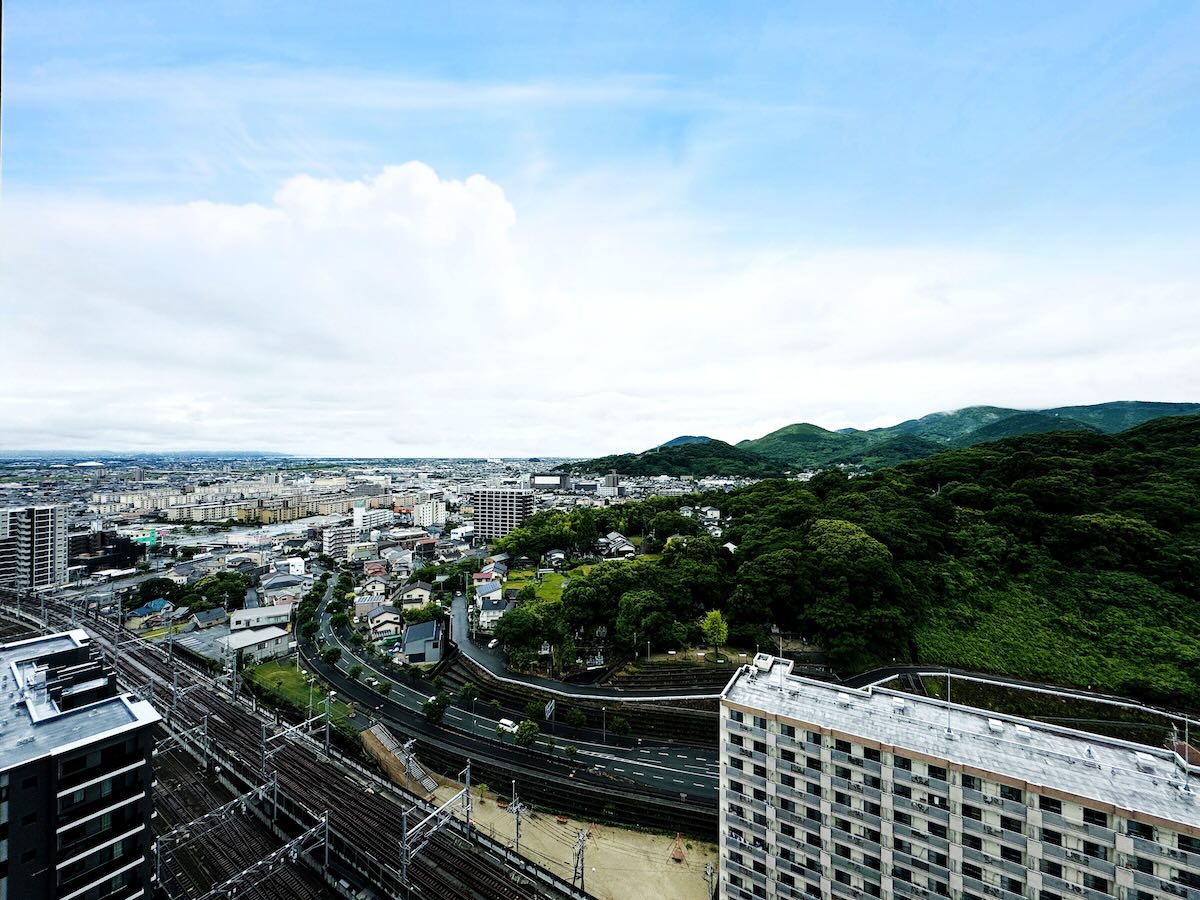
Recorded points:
(1108, 770)
(33, 724)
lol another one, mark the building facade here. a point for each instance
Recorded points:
(75, 776)
(33, 547)
(431, 512)
(499, 510)
(832, 792)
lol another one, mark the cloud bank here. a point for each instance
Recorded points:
(408, 314)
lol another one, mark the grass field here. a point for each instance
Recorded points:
(284, 680)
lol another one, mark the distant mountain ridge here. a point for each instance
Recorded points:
(804, 446)
(811, 447)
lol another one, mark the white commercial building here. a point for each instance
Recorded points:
(833, 792)
(260, 617)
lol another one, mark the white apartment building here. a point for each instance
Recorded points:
(33, 547)
(431, 512)
(336, 539)
(499, 510)
(834, 792)
(365, 519)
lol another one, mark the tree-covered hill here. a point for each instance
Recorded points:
(1022, 423)
(807, 445)
(715, 458)
(1069, 557)
(686, 439)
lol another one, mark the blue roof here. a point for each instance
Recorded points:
(422, 631)
(216, 614)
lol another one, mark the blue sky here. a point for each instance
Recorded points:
(932, 170)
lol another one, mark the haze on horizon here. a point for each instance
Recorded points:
(536, 230)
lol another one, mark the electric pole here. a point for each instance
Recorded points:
(515, 809)
(580, 844)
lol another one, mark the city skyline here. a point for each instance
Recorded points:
(504, 233)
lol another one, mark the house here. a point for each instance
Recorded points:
(416, 594)
(255, 644)
(293, 565)
(710, 514)
(210, 617)
(491, 611)
(384, 621)
(184, 573)
(156, 607)
(555, 558)
(730, 546)
(487, 575)
(375, 569)
(376, 587)
(364, 605)
(499, 570)
(274, 587)
(497, 558)
(260, 617)
(423, 642)
(489, 590)
(616, 544)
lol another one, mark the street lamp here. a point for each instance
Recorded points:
(604, 724)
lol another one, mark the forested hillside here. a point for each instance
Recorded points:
(700, 458)
(1070, 557)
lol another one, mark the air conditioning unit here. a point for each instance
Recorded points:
(991, 829)
(855, 786)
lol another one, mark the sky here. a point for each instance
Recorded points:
(380, 229)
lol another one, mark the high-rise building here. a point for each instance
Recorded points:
(336, 539)
(431, 512)
(33, 547)
(833, 792)
(499, 510)
(75, 776)
(365, 518)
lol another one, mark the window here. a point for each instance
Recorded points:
(901, 874)
(1093, 849)
(814, 737)
(735, 715)
(1008, 823)
(841, 798)
(760, 722)
(735, 763)
(813, 840)
(1012, 793)
(1050, 836)
(937, 773)
(1010, 853)
(841, 825)
(1049, 804)
(842, 746)
(788, 731)
(1144, 865)
(737, 787)
(1095, 817)
(871, 754)
(1186, 843)
(787, 756)
(1140, 829)
(841, 850)
(737, 740)
(903, 818)
(903, 763)
(814, 789)
(970, 870)
(788, 781)
(841, 877)
(1015, 885)
(970, 840)
(972, 812)
(902, 845)
(903, 790)
(760, 771)
(872, 781)
(1052, 868)
(811, 762)
(841, 772)
(760, 747)
(939, 859)
(972, 783)
(872, 808)
(937, 830)
(1095, 883)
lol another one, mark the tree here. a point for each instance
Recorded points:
(340, 621)
(575, 717)
(330, 655)
(309, 628)
(435, 708)
(535, 710)
(527, 733)
(355, 671)
(467, 693)
(714, 628)
(619, 725)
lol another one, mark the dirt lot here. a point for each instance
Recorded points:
(621, 865)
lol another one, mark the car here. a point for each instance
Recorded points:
(493, 644)
(507, 725)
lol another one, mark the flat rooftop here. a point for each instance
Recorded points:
(1100, 768)
(31, 723)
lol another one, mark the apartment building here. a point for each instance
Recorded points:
(833, 792)
(33, 547)
(429, 513)
(75, 776)
(336, 539)
(499, 510)
(365, 519)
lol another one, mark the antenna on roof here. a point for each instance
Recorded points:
(949, 730)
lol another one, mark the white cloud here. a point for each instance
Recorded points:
(405, 314)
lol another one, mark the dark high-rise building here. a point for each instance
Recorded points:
(33, 547)
(75, 776)
(499, 510)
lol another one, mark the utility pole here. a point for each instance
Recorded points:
(709, 875)
(515, 809)
(580, 844)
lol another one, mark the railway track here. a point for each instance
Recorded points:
(364, 822)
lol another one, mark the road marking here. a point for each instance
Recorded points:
(615, 769)
(659, 777)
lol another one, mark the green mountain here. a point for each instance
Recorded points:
(1023, 423)
(686, 439)
(811, 447)
(699, 459)
(1121, 414)
(803, 443)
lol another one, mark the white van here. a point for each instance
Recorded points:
(508, 725)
